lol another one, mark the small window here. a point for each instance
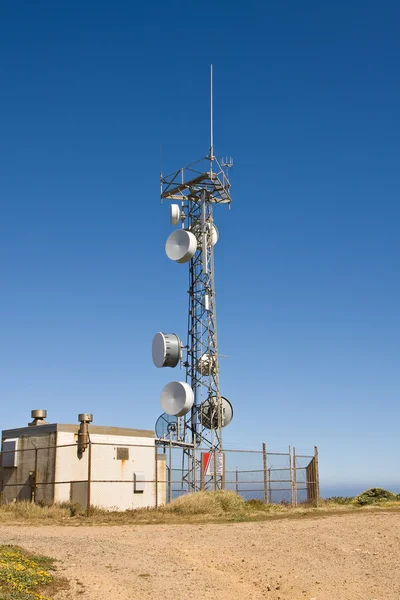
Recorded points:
(122, 453)
(10, 454)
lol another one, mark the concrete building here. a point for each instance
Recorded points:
(111, 467)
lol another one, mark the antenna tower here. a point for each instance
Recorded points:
(194, 410)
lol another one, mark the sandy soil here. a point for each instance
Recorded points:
(345, 557)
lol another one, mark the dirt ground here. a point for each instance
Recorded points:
(344, 557)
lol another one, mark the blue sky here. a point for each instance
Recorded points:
(94, 97)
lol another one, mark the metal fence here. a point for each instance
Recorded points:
(121, 476)
(273, 477)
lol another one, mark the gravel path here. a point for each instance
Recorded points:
(347, 557)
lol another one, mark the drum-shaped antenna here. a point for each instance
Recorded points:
(214, 235)
(181, 245)
(196, 229)
(174, 214)
(166, 350)
(177, 398)
(208, 413)
(206, 364)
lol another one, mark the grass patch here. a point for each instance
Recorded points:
(207, 503)
(201, 507)
(24, 576)
(28, 510)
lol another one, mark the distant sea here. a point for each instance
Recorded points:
(249, 490)
(353, 489)
(326, 491)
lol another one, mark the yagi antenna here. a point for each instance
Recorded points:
(227, 162)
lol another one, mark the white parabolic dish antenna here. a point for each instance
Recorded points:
(177, 398)
(209, 416)
(174, 214)
(181, 245)
(166, 350)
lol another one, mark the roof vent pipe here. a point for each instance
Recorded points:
(38, 417)
(83, 433)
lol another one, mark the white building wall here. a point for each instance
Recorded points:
(69, 467)
(106, 466)
(112, 479)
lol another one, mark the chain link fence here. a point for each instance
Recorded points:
(272, 477)
(121, 476)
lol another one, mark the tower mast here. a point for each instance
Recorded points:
(198, 188)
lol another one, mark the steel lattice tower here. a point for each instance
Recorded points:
(197, 188)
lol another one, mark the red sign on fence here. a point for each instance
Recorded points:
(207, 463)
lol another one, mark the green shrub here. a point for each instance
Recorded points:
(341, 499)
(374, 495)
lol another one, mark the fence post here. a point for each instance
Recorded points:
(195, 464)
(223, 455)
(33, 478)
(36, 473)
(89, 478)
(316, 475)
(237, 481)
(2, 476)
(170, 470)
(264, 450)
(269, 487)
(295, 499)
(215, 470)
(156, 477)
(291, 476)
(192, 472)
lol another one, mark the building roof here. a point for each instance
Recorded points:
(54, 427)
